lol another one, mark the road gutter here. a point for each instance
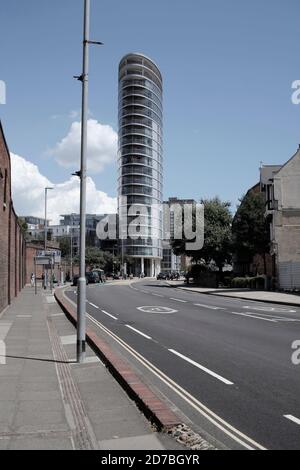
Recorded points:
(148, 402)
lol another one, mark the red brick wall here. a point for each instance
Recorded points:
(11, 239)
(31, 252)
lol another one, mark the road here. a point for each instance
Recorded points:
(224, 363)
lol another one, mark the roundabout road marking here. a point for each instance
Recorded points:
(156, 309)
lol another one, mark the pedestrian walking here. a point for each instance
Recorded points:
(32, 280)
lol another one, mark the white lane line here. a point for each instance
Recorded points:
(277, 317)
(208, 371)
(157, 295)
(270, 309)
(109, 314)
(211, 307)
(250, 315)
(292, 418)
(93, 305)
(179, 300)
(139, 332)
(216, 420)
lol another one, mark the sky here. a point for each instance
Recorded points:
(228, 68)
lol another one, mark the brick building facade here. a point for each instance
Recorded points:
(12, 243)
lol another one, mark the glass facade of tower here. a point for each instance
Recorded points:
(140, 159)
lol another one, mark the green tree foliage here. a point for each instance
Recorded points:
(250, 228)
(23, 225)
(65, 246)
(94, 257)
(217, 235)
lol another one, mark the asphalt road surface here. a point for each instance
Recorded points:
(224, 364)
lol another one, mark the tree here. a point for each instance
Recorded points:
(217, 235)
(94, 257)
(23, 225)
(250, 229)
(65, 246)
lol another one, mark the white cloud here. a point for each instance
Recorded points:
(102, 147)
(28, 186)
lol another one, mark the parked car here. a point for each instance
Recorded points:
(100, 274)
(75, 280)
(92, 277)
(163, 276)
(112, 276)
(174, 276)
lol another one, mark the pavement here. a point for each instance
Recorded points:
(245, 294)
(48, 401)
(223, 364)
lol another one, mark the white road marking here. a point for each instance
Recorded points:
(211, 307)
(206, 412)
(156, 309)
(24, 316)
(275, 317)
(216, 420)
(271, 309)
(199, 366)
(157, 295)
(178, 300)
(292, 418)
(109, 314)
(139, 332)
(93, 305)
(252, 315)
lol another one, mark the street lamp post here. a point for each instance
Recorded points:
(71, 247)
(81, 320)
(46, 233)
(84, 78)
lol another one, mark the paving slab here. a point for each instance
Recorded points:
(49, 403)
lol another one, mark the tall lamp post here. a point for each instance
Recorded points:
(81, 304)
(46, 233)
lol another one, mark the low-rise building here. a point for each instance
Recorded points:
(170, 261)
(281, 186)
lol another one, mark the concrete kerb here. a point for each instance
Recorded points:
(267, 301)
(156, 411)
(228, 296)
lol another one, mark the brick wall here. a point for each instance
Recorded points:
(31, 252)
(12, 245)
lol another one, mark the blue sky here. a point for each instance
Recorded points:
(227, 65)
